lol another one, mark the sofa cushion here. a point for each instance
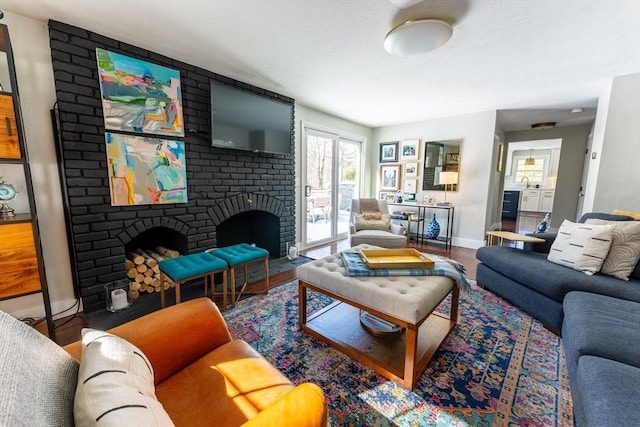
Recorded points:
(599, 325)
(605, 216)
(634, 215)
(625, 247)
(115, 384)
(371, 221)
(532, 270)
(384, 239)
(582, 247)
(609, 392)
(234, 384)
(38, 378)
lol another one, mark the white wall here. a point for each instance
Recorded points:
(32, 57)
(613, 181)
(476, 175)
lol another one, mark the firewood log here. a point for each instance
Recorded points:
(155, 255)
(131, 273)
(169, 253)
(147, 258)
(128, 264)
(135, 258)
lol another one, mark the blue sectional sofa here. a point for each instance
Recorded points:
(601, 340)
(598, 317)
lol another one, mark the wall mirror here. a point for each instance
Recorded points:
(441, 156)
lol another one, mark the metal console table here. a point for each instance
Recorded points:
(422, 219)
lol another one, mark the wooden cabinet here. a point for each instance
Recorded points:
(9, 145)
(19, 272)
(21, 264)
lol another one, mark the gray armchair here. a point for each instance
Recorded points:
(386, 237)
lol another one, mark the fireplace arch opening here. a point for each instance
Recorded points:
(253, 227)
(159, 236)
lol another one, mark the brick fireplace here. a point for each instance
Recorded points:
(225, 187)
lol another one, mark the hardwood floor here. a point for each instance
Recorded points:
(68, 329)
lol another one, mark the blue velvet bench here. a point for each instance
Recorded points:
(190, 267)
(240, 256)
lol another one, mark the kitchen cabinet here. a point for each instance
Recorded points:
(530, 200)
(21, 263)
(546, 200)
(510, 202)
(537, 200)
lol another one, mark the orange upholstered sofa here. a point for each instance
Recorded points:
(204, 378)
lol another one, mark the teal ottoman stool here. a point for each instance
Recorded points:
(240, 256)
(193, 266)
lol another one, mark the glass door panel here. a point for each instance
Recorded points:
(349, 178)
(319, 189)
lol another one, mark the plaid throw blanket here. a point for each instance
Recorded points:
(355, 266)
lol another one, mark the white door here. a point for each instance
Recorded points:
(331, 170)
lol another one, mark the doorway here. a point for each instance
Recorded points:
(529, 184)
(332, 172)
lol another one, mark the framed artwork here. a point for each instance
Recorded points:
(138, 96)
(390, 177)
(409, 197)
(410, 185)
(391, 197)
(145, 171)
(383, 196)
(410, 149)
(389, 152)
(411, 170)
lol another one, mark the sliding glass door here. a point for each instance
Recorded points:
(331, 166)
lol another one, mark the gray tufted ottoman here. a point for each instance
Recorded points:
(408, 301)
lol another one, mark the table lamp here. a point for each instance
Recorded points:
(447, 178)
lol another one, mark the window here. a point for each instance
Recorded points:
(535, 174)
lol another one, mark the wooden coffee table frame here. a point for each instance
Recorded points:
(401, 359)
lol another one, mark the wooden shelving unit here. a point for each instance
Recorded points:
(21, 264)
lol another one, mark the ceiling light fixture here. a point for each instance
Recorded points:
(576, 110)
(417, 36)
(530, 161)
(543, 125)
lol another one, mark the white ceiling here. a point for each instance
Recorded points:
(535, 59)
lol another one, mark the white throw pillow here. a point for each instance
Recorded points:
(582, 247)
(115, 384)
(625, 247)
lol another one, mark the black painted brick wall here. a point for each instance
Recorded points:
(99, 230)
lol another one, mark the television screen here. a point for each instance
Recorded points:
(245, 121)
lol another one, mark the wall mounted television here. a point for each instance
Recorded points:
(244, 120)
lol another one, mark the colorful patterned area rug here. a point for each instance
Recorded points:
(499, 367)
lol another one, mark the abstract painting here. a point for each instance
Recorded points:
(138, 96)
(145, 171)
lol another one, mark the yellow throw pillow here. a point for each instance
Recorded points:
(633, 215)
